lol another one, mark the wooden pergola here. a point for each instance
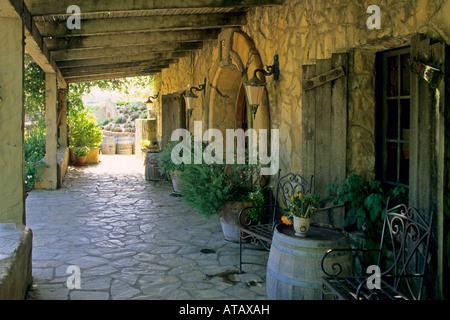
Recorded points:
(114, 39)
(124, 38)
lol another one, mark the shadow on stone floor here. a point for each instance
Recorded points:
(131, 240)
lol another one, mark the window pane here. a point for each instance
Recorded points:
(392, 76)
(392, 119)
(391, 163)
(404, 164)
(405, 75)
(404, 119)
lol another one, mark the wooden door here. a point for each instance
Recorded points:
(173, 115)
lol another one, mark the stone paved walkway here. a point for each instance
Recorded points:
(132, 240)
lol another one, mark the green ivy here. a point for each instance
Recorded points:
(366, 202)
(34, 152)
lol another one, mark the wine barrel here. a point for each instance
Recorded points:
(124, 146)
(108, 145)
(293, 269)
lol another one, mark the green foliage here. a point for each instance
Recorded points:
(34, 138)
(366, 202)
(34, 91)
(166, 165)
(106, 121)
(34, 152)
(208, 186)
(84, 131)
(81, 151)
(205, 187)
(118, 119)
(258, 200)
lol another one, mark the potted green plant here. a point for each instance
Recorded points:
(84, 132)
(365, 203)
(301, 209)
(81, 154)
(221, 190)
(149, 145)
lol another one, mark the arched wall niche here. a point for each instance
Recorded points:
(235, 60)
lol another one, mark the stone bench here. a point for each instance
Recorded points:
(15, 260)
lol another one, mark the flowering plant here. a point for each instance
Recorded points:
(302, 206)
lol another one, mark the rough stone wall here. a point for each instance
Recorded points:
(302, 31)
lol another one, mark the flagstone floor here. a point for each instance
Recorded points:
(131, 239)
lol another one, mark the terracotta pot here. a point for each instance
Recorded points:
(80, 159)
(229, 219)
(301, 226)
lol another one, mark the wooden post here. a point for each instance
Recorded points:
(51, 176)
(63, 132)
(427, 189)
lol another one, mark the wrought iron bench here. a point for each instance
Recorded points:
(403, 255)
(286, 187)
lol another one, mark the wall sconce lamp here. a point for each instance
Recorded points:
(190, 96)
(149, 103)
(254, 88)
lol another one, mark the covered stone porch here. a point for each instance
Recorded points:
(133, 240)
(116, 40)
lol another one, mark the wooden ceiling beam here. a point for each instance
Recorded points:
(52, 7)
(130, 39)
(119, 59)
(118, 67)
(113, 75)
(57, 29)
(95, 53)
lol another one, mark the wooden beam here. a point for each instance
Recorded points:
(93, 53)
(119, 67)
(138, 38)
(63, 65)
(34, 44)
(134, 24)
(46, 7)
(107, 76)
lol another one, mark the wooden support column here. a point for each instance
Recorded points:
(62, 117)
(12, 191)
(51, 119)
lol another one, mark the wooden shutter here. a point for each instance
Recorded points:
(173, 115)
(324, 125)
(428, 185)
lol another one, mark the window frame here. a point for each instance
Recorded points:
(382, 119)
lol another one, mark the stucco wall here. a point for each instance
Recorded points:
(12, 193)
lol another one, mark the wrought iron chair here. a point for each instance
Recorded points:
(403, 254)
(286, 187)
